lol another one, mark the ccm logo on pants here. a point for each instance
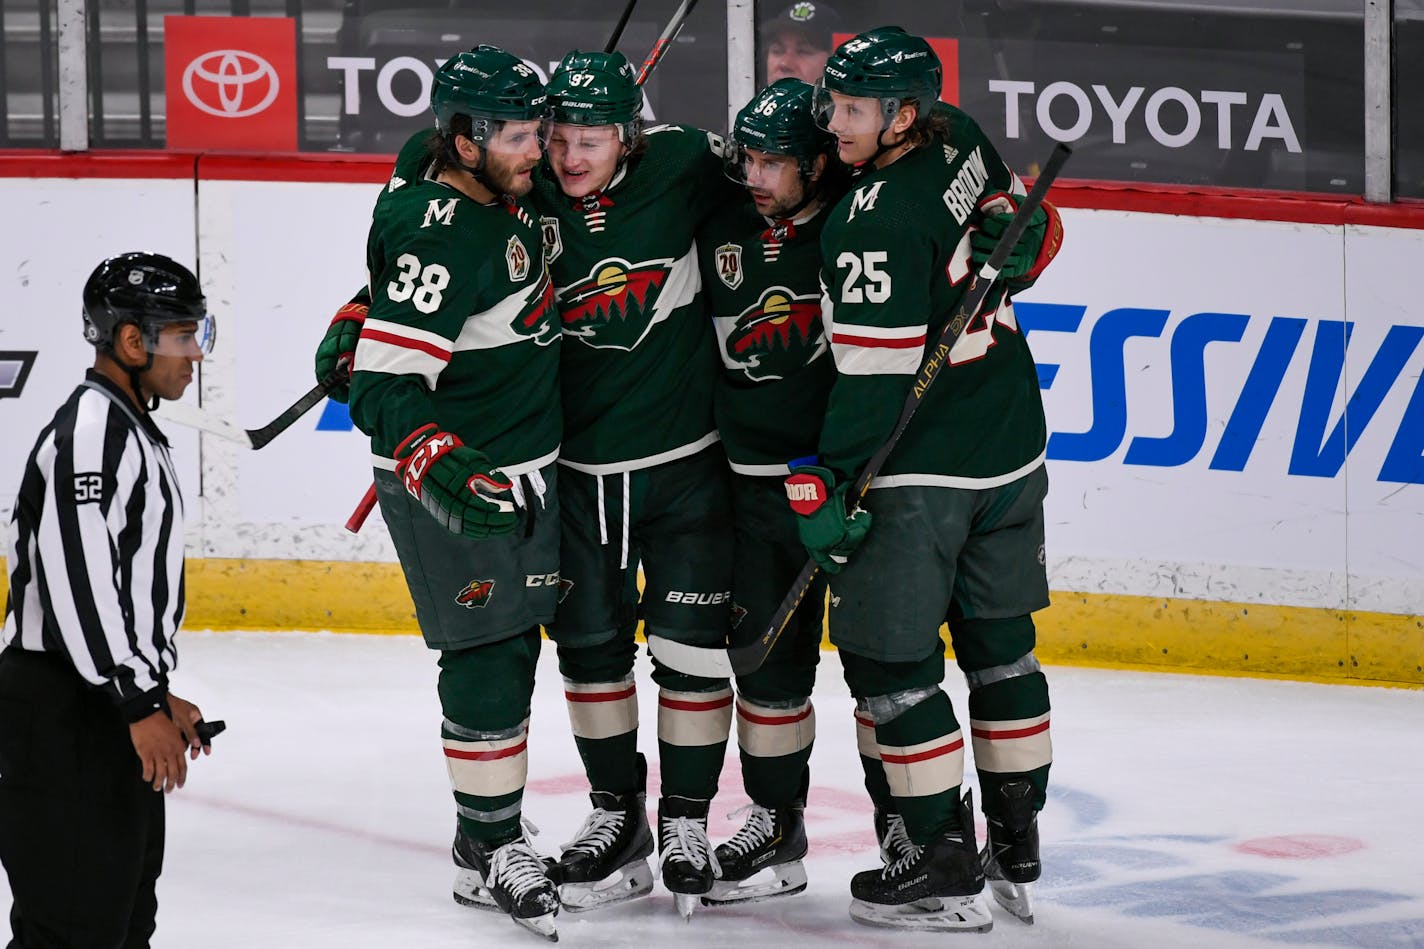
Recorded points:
(698, 599)
(541, 580)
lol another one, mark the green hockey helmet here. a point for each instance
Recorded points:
(885, 63)
(491, 87)
(597, 89)
(780, 120)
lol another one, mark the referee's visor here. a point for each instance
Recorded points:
(190, 339)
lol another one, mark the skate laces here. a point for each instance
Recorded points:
(897, 841)
(600, 829)
(518, 867)
(911, 855)
(687, 840)
(760, 826)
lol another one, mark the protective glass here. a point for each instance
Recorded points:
(516, 138)
(188, 340)
(852, 115)
(584, 142)
(775, 174)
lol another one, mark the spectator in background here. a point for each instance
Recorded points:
(798, 40)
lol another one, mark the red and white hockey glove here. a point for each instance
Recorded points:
(829, 535)
(456, 484)
(340, 340)
(1036, 247)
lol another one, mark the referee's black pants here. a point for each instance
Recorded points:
(81, 834)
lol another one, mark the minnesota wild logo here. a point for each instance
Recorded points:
(616, 304)
(775, 336)
(536, 319)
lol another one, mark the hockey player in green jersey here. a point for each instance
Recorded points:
(761, 269)
(643, 480)
(952, 528)
(455, 379)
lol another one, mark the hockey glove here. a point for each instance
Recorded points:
(456, 484)
(827, 533)
(998, 210)
(340, 340)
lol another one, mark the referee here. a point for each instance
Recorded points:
(89, 732)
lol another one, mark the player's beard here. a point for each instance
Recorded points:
(503, 175)
(781, 208)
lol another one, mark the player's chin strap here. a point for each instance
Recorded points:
(151, 405)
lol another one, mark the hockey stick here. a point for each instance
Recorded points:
(719, 663)
(363, 510)
(193, 417)
(670, 32)
(612, 43)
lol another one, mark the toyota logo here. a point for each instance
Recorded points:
(224, 82)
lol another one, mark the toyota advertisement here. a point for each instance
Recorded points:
(1274, 102)
(231, 83)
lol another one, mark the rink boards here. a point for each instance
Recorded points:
(1235, 407)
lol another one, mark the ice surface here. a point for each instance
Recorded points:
(1185, 811)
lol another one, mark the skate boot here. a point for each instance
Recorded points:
(607, 861)
(935, 887)
(890, 832)
(685, 859)
(508, 878)
(1010, 855)
(770, 840)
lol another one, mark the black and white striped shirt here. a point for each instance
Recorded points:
(95, 548)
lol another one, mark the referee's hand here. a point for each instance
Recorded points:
(160, 747)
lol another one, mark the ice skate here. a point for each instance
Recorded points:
(932, 888)
(508, 878)
(1010, 855)
(763, 859)
(686, 862)
(607, 861)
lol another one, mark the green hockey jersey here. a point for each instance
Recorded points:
(462, 329)
(763, 286)
(896, 264)
(639, 360)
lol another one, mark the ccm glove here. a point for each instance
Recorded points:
(456, 484)
(827, 533)
(998, 210)
(338, 343)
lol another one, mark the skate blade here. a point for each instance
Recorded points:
(1017, 898)
(935, 914)
(540, 926)
(470, 890)
(785, 879)
(629, 882)
(686, 904)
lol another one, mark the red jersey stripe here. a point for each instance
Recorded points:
(406, 343)
(922, 755)
(846, 339)
(618, 696)
(1007, 733)
(487, 755)
(756, 719)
